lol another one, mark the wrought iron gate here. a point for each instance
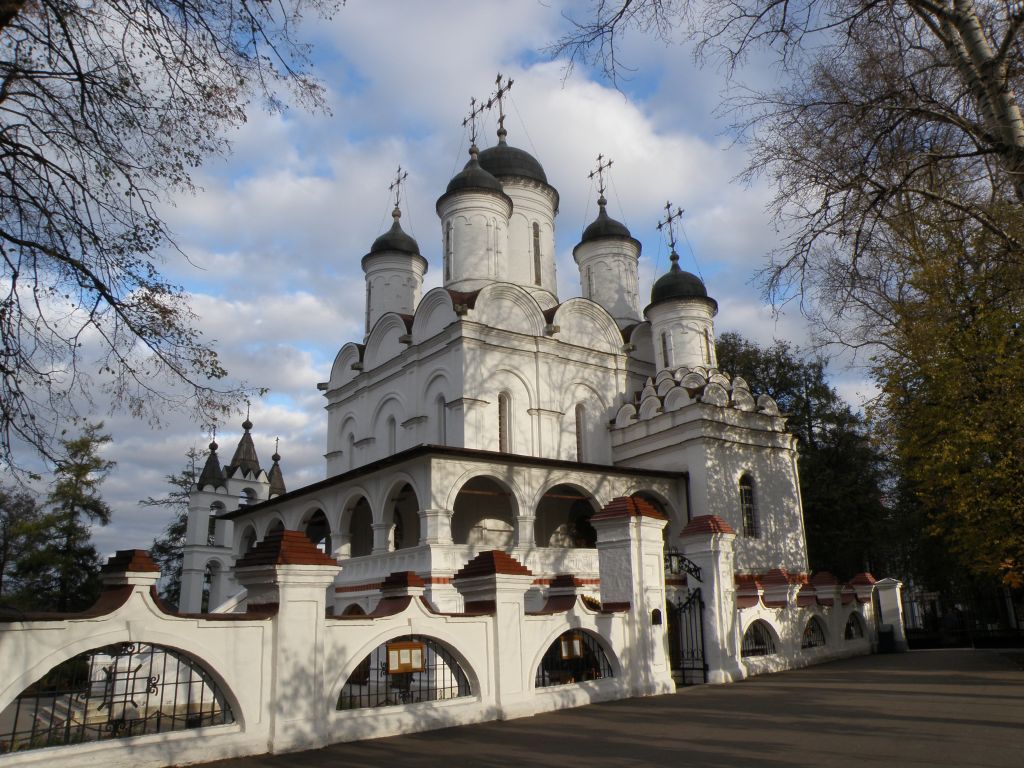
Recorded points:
(686, 639)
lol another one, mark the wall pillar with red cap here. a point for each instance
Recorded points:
(286, 569)
(631, 561)
(707, 540)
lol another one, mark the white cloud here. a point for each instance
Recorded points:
(277, 230)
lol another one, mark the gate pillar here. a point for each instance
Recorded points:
(630, 553)
(707, 541)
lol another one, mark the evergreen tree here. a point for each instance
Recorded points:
(63, 575)
(842, 475)
(168, 547)
(22, 529)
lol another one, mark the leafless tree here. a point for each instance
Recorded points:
(884, 107)
(106, 108)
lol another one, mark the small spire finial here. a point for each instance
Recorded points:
(497, 98)
(671, 216)
(599, 172)
(213, 438)
(277, 456)
(396, 187)
(247, 425)
(470, 120)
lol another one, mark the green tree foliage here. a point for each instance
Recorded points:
(168, 547)
(23, 528)
(952, 378)
(63, 574)
(106, 108)
(842, 474)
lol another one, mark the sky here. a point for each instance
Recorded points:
(276, 229)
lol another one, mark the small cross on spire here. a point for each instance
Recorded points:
(670, 216)
(396, 185)
(474, 113)
(599, 172)
(497, 97)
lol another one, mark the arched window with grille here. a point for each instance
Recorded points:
(854, 629)
(748, 508)
(117, 691)
(814, 634)
(406, 670)
(575, 657)
(758, 640)
(504, 422)
(536, 253)
(581, 428)
(392, 436)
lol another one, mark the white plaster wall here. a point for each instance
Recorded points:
(479, 223)
(685, 321)
(531, 202)
(609, 276)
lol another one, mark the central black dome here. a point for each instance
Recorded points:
(504, 160)
(395, 239)
(604, 226)
(679, 284)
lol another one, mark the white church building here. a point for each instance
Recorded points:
(530, 502)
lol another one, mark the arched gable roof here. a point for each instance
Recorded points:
(342, 371)
(587, 324)
(434, 313)
(384, 342)
(509, 307)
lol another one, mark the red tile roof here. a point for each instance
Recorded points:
(628, 506)
(706, 524)
(131, 561)
(285, 548)
(490, 563)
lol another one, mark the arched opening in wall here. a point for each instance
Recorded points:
(351, 451)
(484, 515)
(575, 657)
(354, 610)
(210, 575)
(814, 634)
(246, 497)
(360, 528)
(666, 350)
(854, 629)
(563, 519)
(247, 541)
(405, 518)
(318, 530)
(758, 640)
(748, 507)
(276, 526)
(216, 509)
(122, 690)
(406, 670)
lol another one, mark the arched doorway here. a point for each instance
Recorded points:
(484, 515)
(405, 518)
(563, 519)
(318, 530)
(360, 529)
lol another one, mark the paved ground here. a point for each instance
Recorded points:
(925, 708)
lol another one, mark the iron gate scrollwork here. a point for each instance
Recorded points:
(686, 639)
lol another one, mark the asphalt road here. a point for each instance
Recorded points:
(924, 708)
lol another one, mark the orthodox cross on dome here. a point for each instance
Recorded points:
(670, 216)
(599, 172)
(470, 120)
(396, 185)
(497, 97)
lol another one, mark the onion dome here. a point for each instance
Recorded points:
(395, 239)
(276, 477)
(679, 284)
(474, 176)
(245, 457)
(503, 160)
(604, 225)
